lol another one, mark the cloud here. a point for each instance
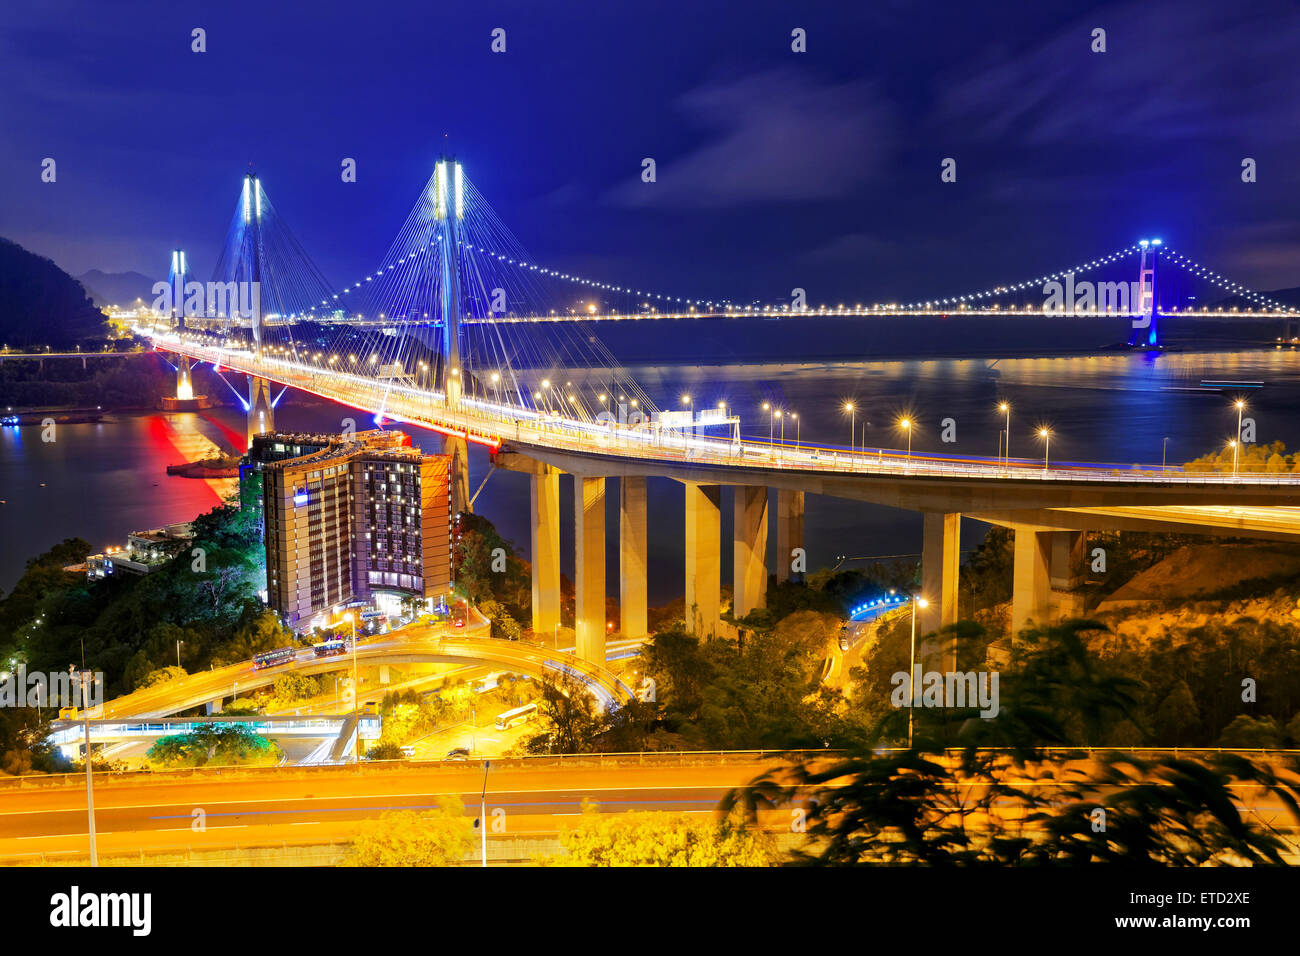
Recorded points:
(1172, 72)
(777, 136)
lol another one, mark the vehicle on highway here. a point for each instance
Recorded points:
(281, 655)
(519, 715)
(408, 751)
(330, 648)
(458, 622)
(844, 637)
(460, 753)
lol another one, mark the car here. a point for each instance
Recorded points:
(459, 622)
(408, 751)
(460, 753)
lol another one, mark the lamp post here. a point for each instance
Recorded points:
(1241, 405)
(1005, 408)
(1046, 435)
(917, 601)
(1232, 443)
(771, 422)
(356, 687)
(906, 425)
(798, 428)
(1164, 452)
(178, 653)
(86, 678)
(482, 812)
(853, 427)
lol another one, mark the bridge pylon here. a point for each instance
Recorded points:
(184, 379)
(261, 410)
(252, 216)
(176, 280)
(448, 213)
(1146, 332)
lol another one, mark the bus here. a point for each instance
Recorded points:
(332, 647)
(517, 716)
(281, 655)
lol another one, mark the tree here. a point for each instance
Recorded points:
(641, 838)
(439, 837)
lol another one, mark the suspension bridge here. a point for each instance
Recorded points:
(460, 331)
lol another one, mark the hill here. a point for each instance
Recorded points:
(40, 304)
(117, 288)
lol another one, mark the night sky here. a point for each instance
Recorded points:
(775, 169)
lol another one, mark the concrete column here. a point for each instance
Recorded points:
(261, 417)
(632, 560)
(458, 448)
(703, 558)
(589, 567)
(1031, 579)
(184, 381)
(789, 532)
(940, 559)
(1067, 561)
(544, 494)
(749, 550)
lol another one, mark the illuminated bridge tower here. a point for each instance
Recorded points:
(261, 416)
(1146, 332)
(449, 212)
(176, 280)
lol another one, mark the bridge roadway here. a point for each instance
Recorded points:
(1049, 508)
(415, 644)
(44, 819)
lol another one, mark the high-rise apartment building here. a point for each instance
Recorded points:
(352, 518)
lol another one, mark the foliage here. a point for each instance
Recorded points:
(294, 687)
(762, 693)
(213, 745)
(129, 626)
(662, 839)
(473, 558)
(436, 837)
(385, 751)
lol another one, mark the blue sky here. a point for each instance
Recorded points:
(775, 169)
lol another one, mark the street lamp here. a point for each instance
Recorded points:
(906, 425)
(1005, 409)
(86, 678)
(1232, 443)
(798, 429)
(917, 601)
(1241, 406)
(853, 428)
(1164, 452)
(1046, 435)
(356, 688)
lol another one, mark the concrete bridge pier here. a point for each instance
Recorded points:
(940, 561)
(703, 559)
(261, 413)
(632, 560)
(1048, 570)
(544, 496)
(184, 380)
(749, 549)
(458, 448)
(789, 533)
(589, 567)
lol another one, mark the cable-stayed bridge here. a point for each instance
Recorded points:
(460, 331)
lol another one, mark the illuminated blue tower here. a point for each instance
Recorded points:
(1146, 332)
(449, 212)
